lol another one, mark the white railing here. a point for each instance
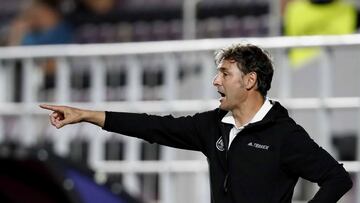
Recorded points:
(169, 53)
(173, 46)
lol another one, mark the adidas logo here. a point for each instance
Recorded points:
(259, 146)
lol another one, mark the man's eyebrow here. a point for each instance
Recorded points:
(222, 69)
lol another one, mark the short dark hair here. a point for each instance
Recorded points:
(250, 58)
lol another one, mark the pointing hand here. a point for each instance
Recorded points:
(63, 115)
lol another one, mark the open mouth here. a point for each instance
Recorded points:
(221, 94)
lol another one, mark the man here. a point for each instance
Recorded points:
(41, 22)
(256, 152)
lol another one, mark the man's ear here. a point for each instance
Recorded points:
(251, 81)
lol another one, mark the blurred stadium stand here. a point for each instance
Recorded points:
(128, 20)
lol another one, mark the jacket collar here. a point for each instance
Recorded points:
(259, 115)
(276, 112)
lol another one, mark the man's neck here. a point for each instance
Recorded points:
(247, 110)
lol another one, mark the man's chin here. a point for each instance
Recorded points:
(224, 107)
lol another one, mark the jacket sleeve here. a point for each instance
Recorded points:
(302, 157)
(181, 132)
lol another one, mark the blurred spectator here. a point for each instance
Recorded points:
(100, 7)
(317, 17)
(41, 22)
(94, 11)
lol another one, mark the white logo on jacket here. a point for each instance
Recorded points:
(220, 144)
(259, 146)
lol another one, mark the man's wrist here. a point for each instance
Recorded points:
(85, 115)
(94, 117)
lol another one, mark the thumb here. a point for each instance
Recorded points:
(61, 123)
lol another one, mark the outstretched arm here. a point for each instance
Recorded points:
(182, 132)
(64, 115)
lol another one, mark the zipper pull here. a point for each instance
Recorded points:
(226, 183)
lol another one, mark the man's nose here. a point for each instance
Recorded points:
(216, 81)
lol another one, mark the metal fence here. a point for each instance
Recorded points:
(121, 76)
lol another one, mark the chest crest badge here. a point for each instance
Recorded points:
(220, 144)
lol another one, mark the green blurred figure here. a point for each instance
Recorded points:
(317, 17)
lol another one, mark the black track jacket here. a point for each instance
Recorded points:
(263, 162)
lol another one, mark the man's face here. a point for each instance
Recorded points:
(231, 85)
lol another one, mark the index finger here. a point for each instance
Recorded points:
(52, 107)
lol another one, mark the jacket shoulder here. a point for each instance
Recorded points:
(216, 114)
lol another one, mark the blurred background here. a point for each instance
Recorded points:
(156, 56)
